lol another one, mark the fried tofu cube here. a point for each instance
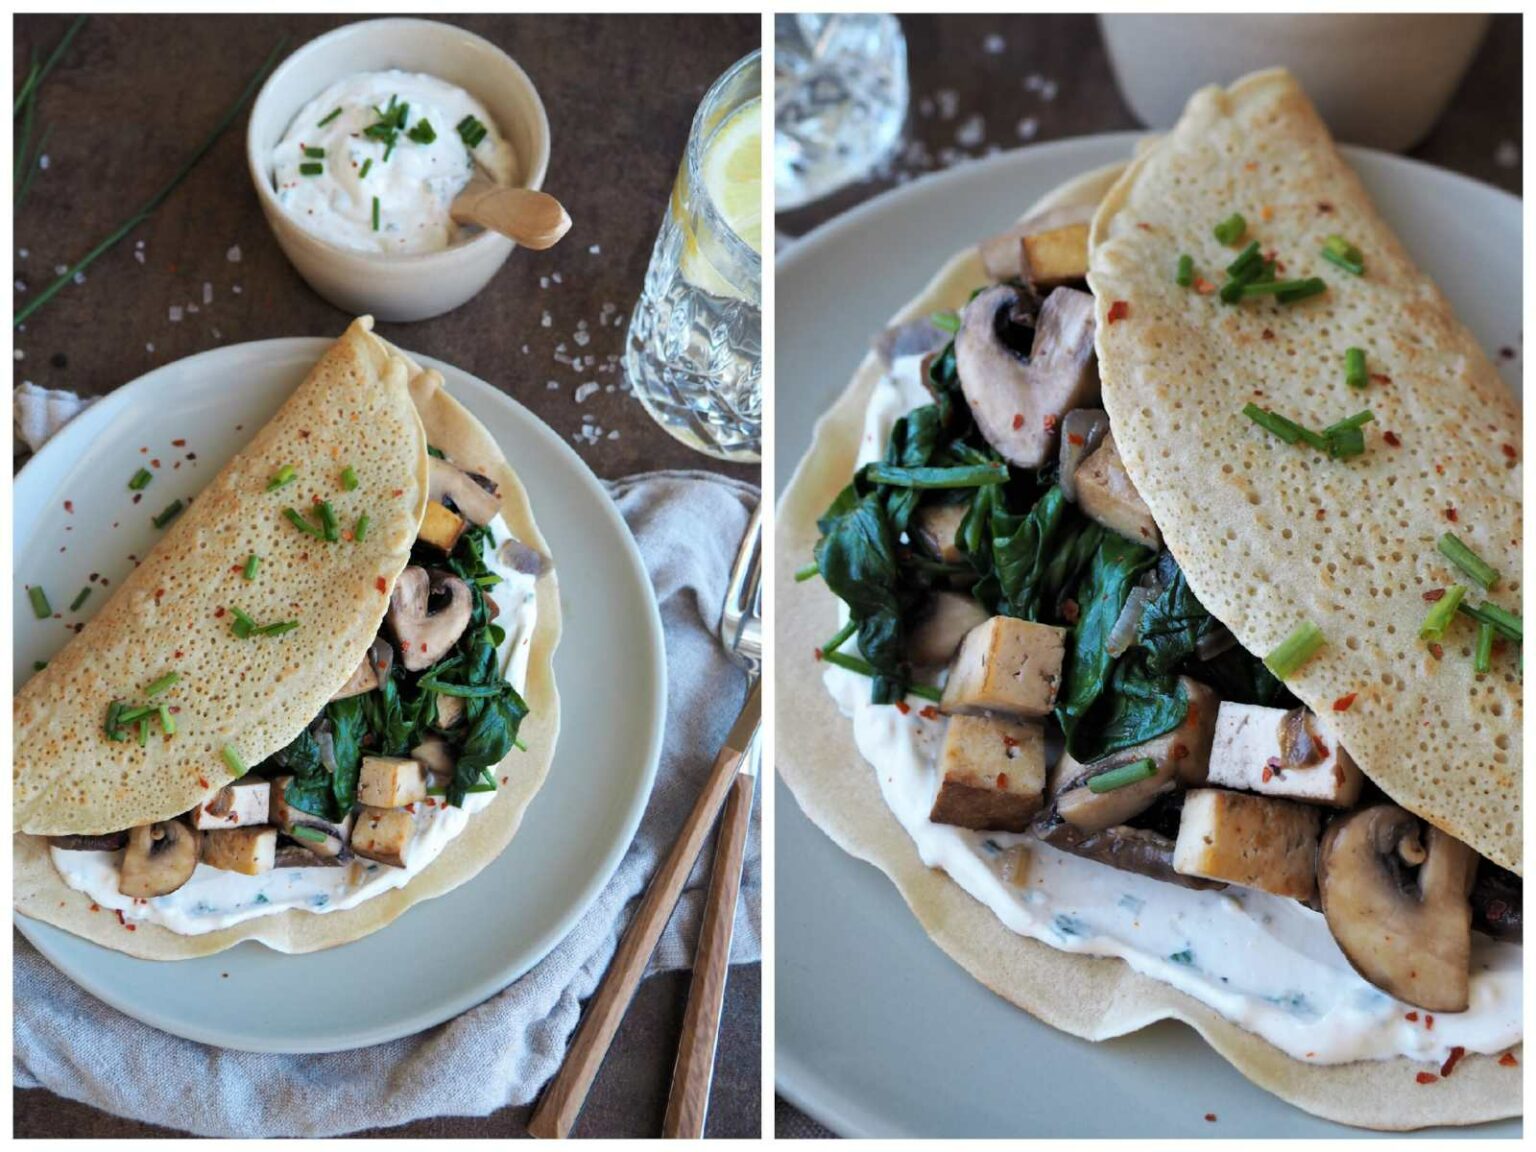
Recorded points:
(1249, 753)
(238, 805)
(991, 774)
(390, 782)
(1004, 255)
(1006, 665)
(1054, 257)
(250, 851)
(1105, 493)
(384, 834)
(1253, 841)
(440, 527)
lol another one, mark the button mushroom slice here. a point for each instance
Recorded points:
(434, 753)
(909, 338)
(944, 622)
(428, 612)
(450, 712)
(249, 851)
(1082, 431)
(318, 835)
(935, 527)
(110, 842)
(1129, 849)
(1004, 255)
(376, 664)
(1089, 811)
(473, 496)
(1019, 391)
(160, 858)
(238, 805)
(390, 782)
(440, 527)
(1395, 895)
(521, 558)
(1105, 493)
(297, 856)
(384, 834)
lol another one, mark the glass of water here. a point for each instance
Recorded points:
(840, 98)
(694, 350)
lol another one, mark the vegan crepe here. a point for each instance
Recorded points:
(1269, 534)
(1092, 998)
(365, 404)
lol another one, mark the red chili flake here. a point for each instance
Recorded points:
(69, 505)
(1018, 421)
(1439, 654)
(1343, 702)
(1426, 1077)
(137, 496)
(1269, 333)
(1119, 310)
(95, 907)
(1507, 353)
(1434, 594)
(411, 808)
(144, 451)
(1050, 422)
(1429, 1023)
(1002, 780)
(1508, 1060)
(1324, 207)
(1381, 378)
(1392, 439)
(1210, 1117)
(1411, 1017)
(1508, 450)
(1451, 515)
(178, 443)
(399, 491)
(1204, 286)
(237, 567)
(1251, 166)
(929, 712)
(303, 433)
(315, 499)
(1267, 212)
(120, 919)
(1070, 611)
(1452, 1060)
(218, 613)
(201, 783)
(1269, 774)
(1180, 751)
(903, 707)
(1010, 742)
(1074, 439)
(154, 463)
(818, 654)
(1439, 469)
(1320, 514)
(381, 584)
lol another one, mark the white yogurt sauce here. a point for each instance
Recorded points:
(214, 899)
(1266, 963)
(413, 186)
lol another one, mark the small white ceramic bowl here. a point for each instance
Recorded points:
(397, 287)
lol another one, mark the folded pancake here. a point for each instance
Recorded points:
(1101, 998)
(365, 404)
(1269, 534)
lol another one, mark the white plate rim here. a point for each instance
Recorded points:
(78, 433)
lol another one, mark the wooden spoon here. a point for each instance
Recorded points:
(534, 219)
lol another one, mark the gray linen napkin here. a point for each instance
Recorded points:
(503, 1051)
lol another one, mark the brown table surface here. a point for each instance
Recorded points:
(130, 100)
(955, 77)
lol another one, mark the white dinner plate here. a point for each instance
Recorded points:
(444, 955)
(878, 1032)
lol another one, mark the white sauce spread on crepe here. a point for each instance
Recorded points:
(1266, 963)
(214, 899)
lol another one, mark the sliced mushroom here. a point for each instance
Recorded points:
(296, 856)
(160, 859)
(428, 612)
(371, 672)
(1019, 391)
(110, 842)
(935, 527)
(520, 558)
(945, 620)
(474, 496)
(317, 835)
(1089, 811)
(1082, 431)
(1006, 256)
(1129, 849)
(450, 712)
(434, 753)
(910, 338)
(1395, 894)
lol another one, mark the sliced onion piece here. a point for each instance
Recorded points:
(1123, 634)
(1082, 430)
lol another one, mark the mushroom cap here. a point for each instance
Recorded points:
(425, 635)
(452, 486)
(1395, 895)
(160, 858)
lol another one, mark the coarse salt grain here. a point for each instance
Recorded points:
(585, 390)
(175, 313)
(596, 249)
(233, 255)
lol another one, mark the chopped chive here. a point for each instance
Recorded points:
(85, 594)
(375, 213)
(1340, 252)
(167, 723)
(423, 132)
(232, 759)
(1354, 367)
(1346, 443)
(171, 511)
(133, 715)
(1441, 613)
(313, 835)
(840, 637)
(1247, 257)
(471, 131)
(279, 629)
(282, 478)
(140, 480)
(1116, 778)
(348, 479)
(1295, 650)
(389, 150)
(1184, 277)
(242, 625)
(114, 710)
(948, 321)
(40, 606)
(1358, 420)
(863, 668)
(328, 521)
(1285, 289)
(1274, 423)
(328, 119)
(252, 562)
(363, 171)
(360, 533)
(1483, 574)
(158, 686)
(315, 153)
(39, 665)
(1232, 229)
(809, 572)
(302, 524)
(311, 169)
(1303, 290)
(1482, 660)
(143, 732)
(488, 581)
(1504, 622)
